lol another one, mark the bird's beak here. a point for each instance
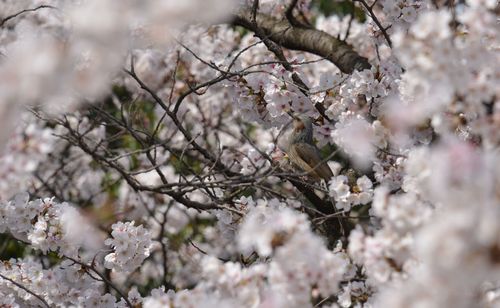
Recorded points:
(291, 114)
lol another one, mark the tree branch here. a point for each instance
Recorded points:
(25, 289)
(369, 9)
(305, 39)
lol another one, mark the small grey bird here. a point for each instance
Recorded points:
(303, 152)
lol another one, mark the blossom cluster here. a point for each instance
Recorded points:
(345, 197)
(62, 285)
(273, 230)
(47, 225)
(131, 245)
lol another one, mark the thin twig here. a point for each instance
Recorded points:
(44, 6)
(25, 289)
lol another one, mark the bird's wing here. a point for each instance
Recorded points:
(310, 154)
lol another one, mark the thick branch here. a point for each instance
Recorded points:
(310, 40)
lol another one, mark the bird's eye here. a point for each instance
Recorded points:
(298, 125)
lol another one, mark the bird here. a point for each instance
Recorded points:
(302, 151)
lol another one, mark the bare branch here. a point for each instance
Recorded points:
(369, 9)
(44, 6)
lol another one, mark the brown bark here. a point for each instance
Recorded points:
(305, 39)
